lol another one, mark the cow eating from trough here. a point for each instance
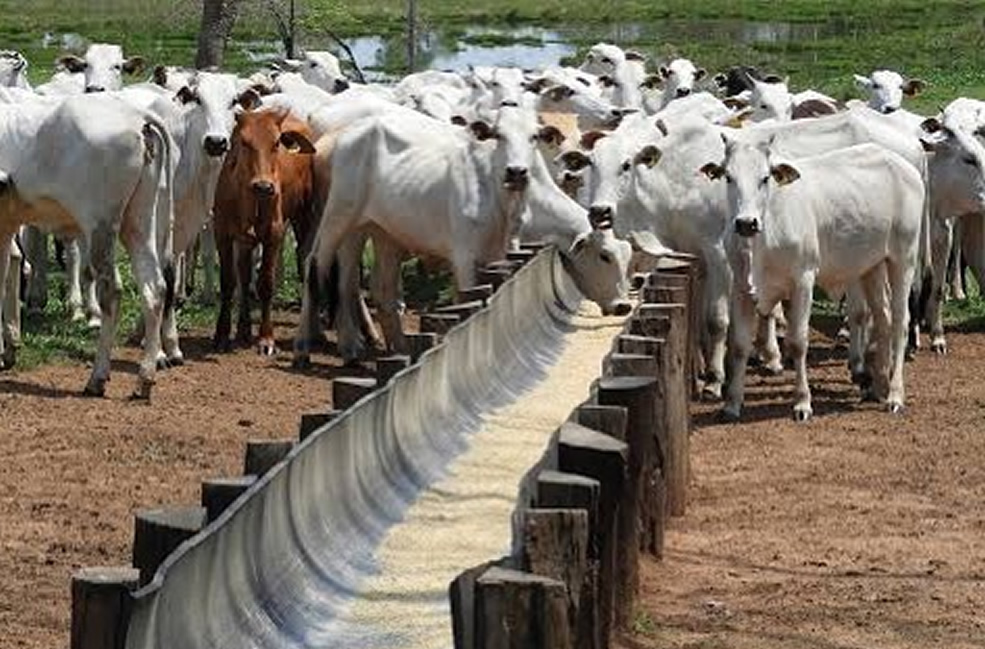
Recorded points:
(265, 183)
(457, 195)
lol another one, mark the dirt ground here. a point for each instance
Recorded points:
(855, 530)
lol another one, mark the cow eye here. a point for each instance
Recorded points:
(764, 181)
(970, 160)
(626, 166)
(606, 257)
(729, 179)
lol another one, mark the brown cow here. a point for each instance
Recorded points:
(266, 181)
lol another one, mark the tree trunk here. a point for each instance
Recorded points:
(218, 18)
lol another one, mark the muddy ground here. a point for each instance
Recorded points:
(856, 529)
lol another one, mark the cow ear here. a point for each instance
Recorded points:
(700, 74)
(249, 99)
(633, 55)
(186, 95)
(607, 81)
(863, 82)
(774, 78)
(664, 71)
(160, 76)
(589, 139)
(735, 103)
(72, 63)
(482, 130)
(784, 174)
(661, 126)
(296, 142)
(550, 135)
(134, 64)
(720, 79)
(574, 160)
(537, 86)
(648, 155)
(914, 87)
(651, 82)
(713, 170)
(931, 125)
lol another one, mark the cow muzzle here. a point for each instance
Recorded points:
(516, 179)
(619, 308)
(886, 110)
(263, 188)
(216, 145)
(92, 89)
(600, 216)
(747, 227)
(683, 92)
(341, 85)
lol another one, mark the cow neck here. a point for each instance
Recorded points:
(504, 209)
(554, 216)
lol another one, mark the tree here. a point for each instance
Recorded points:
(218, 18)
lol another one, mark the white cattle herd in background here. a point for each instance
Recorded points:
(776, 192)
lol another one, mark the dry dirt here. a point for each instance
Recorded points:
(854, 530)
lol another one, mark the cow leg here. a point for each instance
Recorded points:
(875, 288)
(387, 291)
(858, 337)
(743, 321)
(87, 286)
(207, 242)
(716, 304)
(8, 305)
(36, 249)
(331, 232)
(766, 343)
(955, 270)
(798, 330)
(266, 281)
(352, 319)
(243, 254)
(942, 238)
(150, 283)
(900, 282)
(102, 258)
(227, 287)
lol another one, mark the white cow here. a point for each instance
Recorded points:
(95, 167)
(679, 77)
(13, 70)
(835, 219)
(103, 66)
(887, 88)
(430, 188)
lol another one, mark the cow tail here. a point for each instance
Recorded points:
(159, 140)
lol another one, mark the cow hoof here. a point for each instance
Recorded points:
(9, 359)
(267, 348)
(729, 415)
(711, 392)
(868, 395)
(773, 368)
(894, 408)
(843, 336)
(95, 388)
(94, 322)
(939, 346)
(802, 413)
(176, 361)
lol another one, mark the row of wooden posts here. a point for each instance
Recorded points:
(622, 467)
(619, 469)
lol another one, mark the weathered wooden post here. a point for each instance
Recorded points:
(263, 454)
(516, 609)
(101, 604)
(463, 310)
(438, 323)
(312, 421)
(347, 390)
(477, 293)
(495, 277)
(602, 457)
(158, 532)
(418, 343)
(219, 493)
(390, 366)
(641, 515)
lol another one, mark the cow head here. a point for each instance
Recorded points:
(592, 112)
(957, 169)
(516, 135)
(603, 58)
(322, 69)
(103, 66)
(679, 77)
(599, 264)
(214, 100)
(13, 70)
(886, 89)
(752, 176)
(258, 141)
(771, 100)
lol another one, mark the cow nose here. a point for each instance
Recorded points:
(90, 89)
(516, 177)
(600, 215)
(683, 92)
(263, 188)
(341, 85)
(888, 109)
(216, 145)
(746, 227)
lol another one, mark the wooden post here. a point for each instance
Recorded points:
(461, 594)
(438, 323)
(516, 609)
(673, 379)
(419, 343)
(101, 607)
(219, 493)
(263, 454)
(522, 256)
(347, 390)
(642, 496)
(477, 293)
(631, 365)
(686, 275)
(390, 366)
(555, 545)
(158, 532)
(463, 310)
(610, 420)
(312, 421)
(495, 277)
(602, 457)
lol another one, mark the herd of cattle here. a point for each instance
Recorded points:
(775, 192)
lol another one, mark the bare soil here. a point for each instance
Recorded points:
(857, 529)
